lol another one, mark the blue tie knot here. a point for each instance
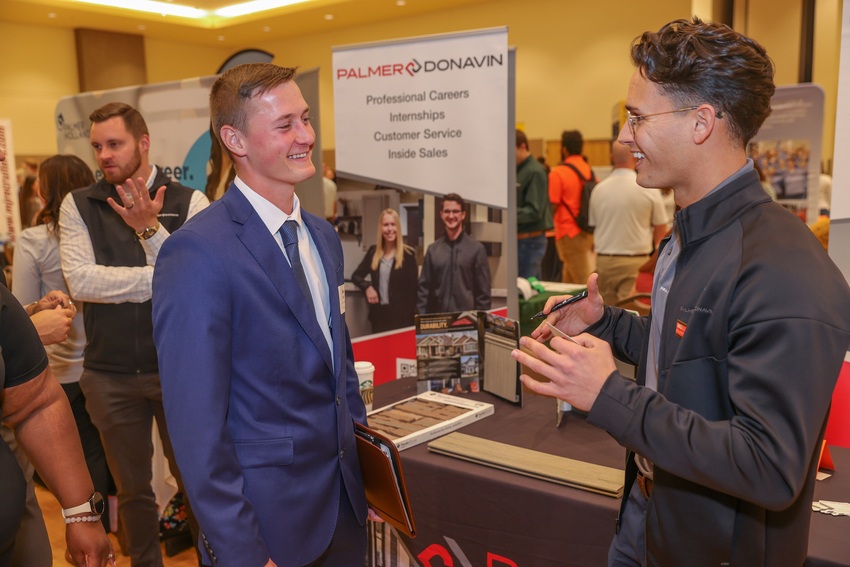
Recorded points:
(289, 233)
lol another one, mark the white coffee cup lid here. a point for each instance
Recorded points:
(362, 365)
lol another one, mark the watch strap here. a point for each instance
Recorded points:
(84, 507)
(148, 232)
(94, 505)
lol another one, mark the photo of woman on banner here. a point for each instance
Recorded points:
(392, 274)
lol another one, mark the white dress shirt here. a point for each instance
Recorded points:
(274, 218)
(95, 283)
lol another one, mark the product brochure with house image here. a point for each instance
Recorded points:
(447, 352)
(468, 351)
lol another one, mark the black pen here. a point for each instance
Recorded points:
(561, 304)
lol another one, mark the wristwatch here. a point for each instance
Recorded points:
(148, 232)
(94, 505)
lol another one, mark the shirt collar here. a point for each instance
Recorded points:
(151, 177)
(271, 216)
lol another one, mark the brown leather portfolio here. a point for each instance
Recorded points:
(383, 479)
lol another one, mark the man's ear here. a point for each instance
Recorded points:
(232, 140)
(144, 143)
(706, 123)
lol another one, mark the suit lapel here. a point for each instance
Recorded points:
(330, 268)
(264, 249)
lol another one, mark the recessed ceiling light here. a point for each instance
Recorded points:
(253, 7)
(329, 17)
(220, 38)
(52, 15)
(267, 29)
(141, 27)
(152, 6)
(401, 2)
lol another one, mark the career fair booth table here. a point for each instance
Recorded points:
(469, 514)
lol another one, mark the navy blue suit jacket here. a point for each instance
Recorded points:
(259, 410)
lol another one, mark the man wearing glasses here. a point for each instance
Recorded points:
(455, 275)
(748, 330)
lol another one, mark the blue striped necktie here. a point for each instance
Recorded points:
(289, 233)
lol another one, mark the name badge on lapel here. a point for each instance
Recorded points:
(341, 290)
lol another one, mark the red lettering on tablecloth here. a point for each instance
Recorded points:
(492, 557)
(435, 550)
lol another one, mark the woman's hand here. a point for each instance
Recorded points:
(88, 544)
(372, 295)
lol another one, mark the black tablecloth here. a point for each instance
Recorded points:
(488, 511)
(492, 517)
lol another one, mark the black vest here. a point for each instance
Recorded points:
(120, 335)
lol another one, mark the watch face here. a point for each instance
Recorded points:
(97, 503)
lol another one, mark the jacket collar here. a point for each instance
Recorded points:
(720, 208)
(262, 246)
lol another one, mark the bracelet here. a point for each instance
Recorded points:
(74, 519)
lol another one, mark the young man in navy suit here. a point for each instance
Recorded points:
(257, 369)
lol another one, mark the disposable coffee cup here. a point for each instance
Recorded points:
(366, 376)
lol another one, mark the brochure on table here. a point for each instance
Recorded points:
(468, 351)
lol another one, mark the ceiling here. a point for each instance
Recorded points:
(303, 18)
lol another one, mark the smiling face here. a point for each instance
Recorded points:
(453, 215)
(661, 144)
(389, 230)
(276, 147)
(119, 155)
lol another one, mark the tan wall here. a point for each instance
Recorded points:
(43, 68)
(39, 67)
(572, 59)
(776, 25)
(828, 18)
(174, 61)
(109, 60)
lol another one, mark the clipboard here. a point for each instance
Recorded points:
(383, 479)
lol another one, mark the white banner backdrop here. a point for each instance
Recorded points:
(840, 209)
(839, 229)
(426, 114)
(177, 114)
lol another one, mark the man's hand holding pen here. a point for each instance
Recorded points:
(575, 314)
(577, 369)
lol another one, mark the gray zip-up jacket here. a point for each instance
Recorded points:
(754, 334)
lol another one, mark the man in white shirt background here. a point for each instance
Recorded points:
(110, 236)
(630, 222)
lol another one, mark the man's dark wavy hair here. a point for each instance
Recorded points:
(696, 62)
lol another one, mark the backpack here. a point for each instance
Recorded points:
(583, 215)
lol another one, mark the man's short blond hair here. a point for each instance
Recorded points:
(231, 94)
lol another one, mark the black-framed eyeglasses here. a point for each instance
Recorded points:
(635, 119)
